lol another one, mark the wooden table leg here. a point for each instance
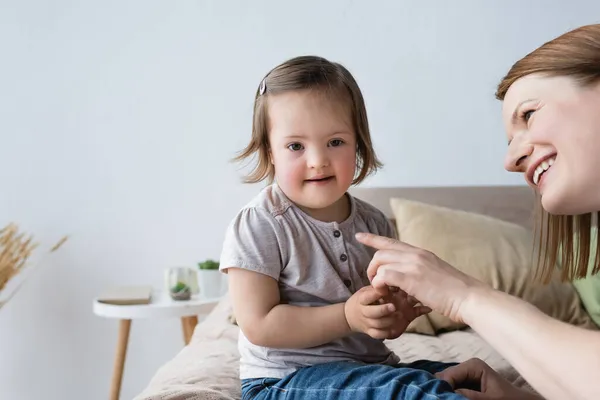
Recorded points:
(115, 387)
(188, 324)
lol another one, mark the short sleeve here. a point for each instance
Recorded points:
(383, 225)
(253, 241)
(389, 229)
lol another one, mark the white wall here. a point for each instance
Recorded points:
(117, 120)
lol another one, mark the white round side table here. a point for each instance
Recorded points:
(161, 306)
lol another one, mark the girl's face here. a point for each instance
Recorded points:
(313, 150)
(553, 129)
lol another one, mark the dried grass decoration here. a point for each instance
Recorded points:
(15, 250)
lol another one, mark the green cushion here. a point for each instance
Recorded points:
(589, 288)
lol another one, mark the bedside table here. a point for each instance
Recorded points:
(161, 306)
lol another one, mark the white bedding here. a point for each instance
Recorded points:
(207, 368)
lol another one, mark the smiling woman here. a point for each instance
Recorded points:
(551, 103)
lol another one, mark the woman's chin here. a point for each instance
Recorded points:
(557, 203)
(554, 210)
(552, 202)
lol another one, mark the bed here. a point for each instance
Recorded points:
(485, 231)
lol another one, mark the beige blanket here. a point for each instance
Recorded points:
(207, 369)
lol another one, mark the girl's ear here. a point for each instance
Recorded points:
(271, 156)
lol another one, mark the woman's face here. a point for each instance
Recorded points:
(553, 129)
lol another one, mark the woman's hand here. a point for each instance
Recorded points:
(476, 380)
(421, 274)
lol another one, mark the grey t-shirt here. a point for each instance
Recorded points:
(316, 264)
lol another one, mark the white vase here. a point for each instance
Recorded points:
(210, 283)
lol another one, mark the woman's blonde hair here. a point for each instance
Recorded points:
(564, 240)
(309, 73)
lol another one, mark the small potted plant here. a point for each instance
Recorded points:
(209, 279)
(180, 282)
(180, 291)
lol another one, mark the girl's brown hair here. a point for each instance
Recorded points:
(309, 73)
(563, 239)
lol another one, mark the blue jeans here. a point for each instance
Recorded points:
(351, 380)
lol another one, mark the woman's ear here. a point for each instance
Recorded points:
(270, 156)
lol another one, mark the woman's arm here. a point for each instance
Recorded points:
(559, 360)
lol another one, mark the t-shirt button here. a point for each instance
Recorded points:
(337, 233)
(347, 282)
(343, 257)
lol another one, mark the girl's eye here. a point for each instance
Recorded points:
(336, 142)
(526, 115)
(295, 146)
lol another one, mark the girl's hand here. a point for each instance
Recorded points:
(420, 274)
(381, 314)
(407, 310)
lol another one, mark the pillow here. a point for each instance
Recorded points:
(589, 287)
(491, 250)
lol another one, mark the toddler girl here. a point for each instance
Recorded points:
(311, 324)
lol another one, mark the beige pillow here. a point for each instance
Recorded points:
(493, 251)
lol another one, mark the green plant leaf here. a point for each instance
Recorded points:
(208, 264)
(180, 286)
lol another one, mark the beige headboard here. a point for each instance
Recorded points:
(509, 203)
